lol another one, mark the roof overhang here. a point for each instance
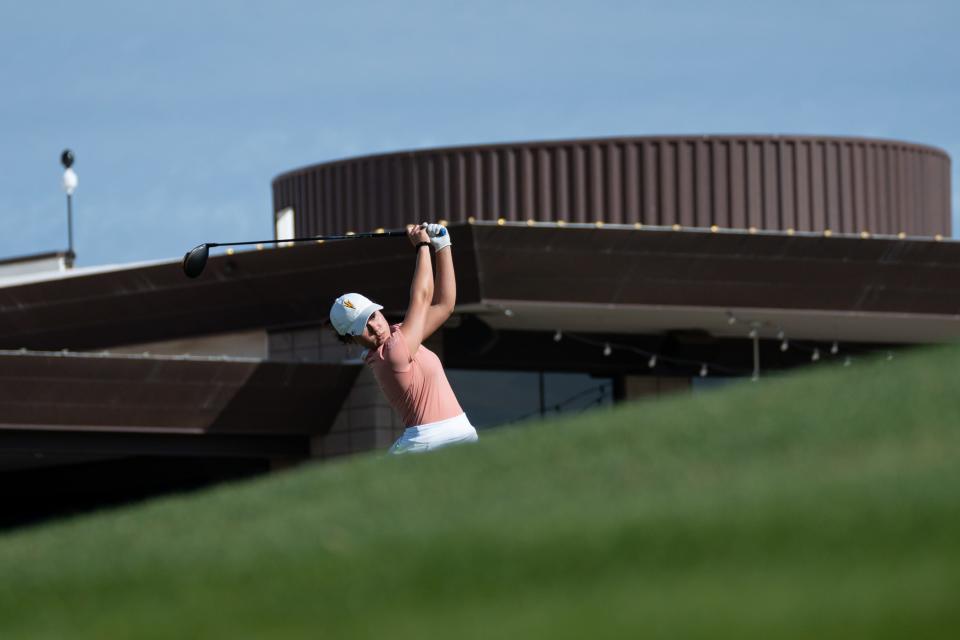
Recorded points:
(163, 394)
(578, 277)
(57, 408)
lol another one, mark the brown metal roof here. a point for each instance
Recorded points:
(542, 265)
(625, 266)
(248, 290)
(88, 392)
(774, 182)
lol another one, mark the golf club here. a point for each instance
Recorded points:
(195, 260)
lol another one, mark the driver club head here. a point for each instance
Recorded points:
(195, 260)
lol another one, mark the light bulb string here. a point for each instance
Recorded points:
(614, 346)
(825, 350)
(832, 350)
(820, 351)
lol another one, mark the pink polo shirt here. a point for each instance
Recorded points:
(416, 386)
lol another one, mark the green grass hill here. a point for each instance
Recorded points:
(820, 504)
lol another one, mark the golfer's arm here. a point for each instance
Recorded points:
(421, 293)
(444, 293)
(445, 286)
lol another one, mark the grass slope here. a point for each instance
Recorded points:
(821, 504)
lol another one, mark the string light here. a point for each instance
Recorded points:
(705, 368)
(848, 357)
(814, 351)
(653, 359)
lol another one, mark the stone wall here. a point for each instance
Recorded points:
(366, 421)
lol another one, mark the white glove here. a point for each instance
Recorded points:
(439, 236)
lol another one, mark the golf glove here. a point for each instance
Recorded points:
(439, 236)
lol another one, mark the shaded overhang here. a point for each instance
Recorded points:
(628, 280)
(528, 277)
(81, 391)
(56, 407)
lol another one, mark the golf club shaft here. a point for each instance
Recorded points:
(373, 234)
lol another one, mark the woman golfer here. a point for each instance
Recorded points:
(411, 375)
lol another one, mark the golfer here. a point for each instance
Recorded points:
(410, 375)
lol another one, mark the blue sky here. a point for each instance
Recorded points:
(181, 113)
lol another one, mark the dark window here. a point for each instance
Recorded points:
(492, 398)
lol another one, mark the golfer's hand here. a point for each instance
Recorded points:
(417, 234)
(439, 236)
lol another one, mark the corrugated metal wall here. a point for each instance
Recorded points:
(847, 185)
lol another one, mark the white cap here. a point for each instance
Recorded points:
(350, 312)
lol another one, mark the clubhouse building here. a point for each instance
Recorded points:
(589, 272)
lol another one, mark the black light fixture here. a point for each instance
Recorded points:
(70, 182)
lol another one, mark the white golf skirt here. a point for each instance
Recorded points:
(434, 435)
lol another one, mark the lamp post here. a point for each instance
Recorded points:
(70, 182)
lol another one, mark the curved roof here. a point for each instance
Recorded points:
(777, 182)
